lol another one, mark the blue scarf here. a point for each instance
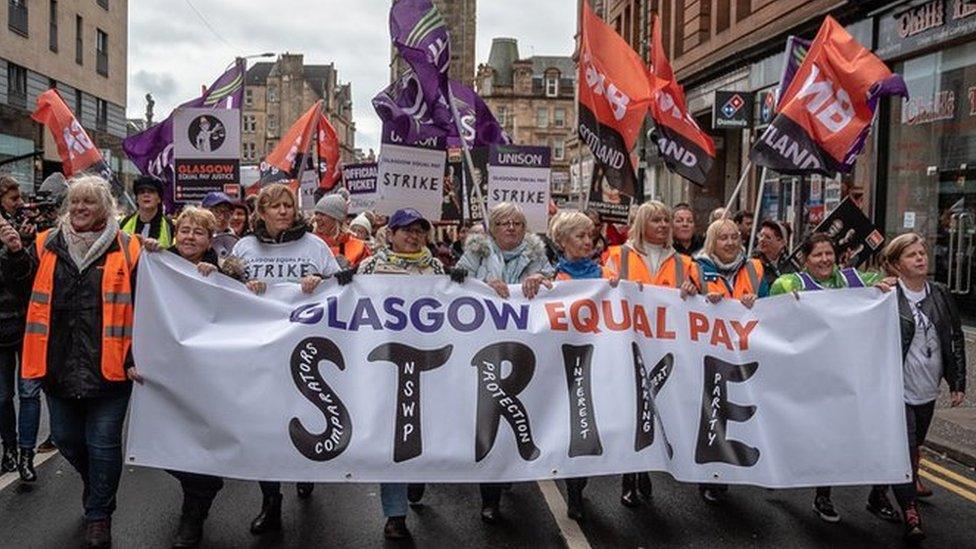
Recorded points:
(580, 268)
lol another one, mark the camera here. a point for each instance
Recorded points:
(40, 212)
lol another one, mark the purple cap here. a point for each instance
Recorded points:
(215, 198)
(405, 217)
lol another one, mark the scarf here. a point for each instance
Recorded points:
(416, 262)
(579, 268)
(86, 247)
(504, 265)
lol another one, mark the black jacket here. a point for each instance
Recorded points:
(74, 349)
(941, 310)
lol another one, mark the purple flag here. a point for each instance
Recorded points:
(478, 124)
(796, 52)
(152, 150)
(420, 36)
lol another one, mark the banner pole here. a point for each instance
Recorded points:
(756, 218)
(305, 155)
(467, 157)
(738, 187)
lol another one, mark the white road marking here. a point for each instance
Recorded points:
(7, 479)
(570, 530)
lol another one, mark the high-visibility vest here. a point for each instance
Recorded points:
(747, 281)
(604, 272)
(116, 308)
(353, 249)
(851, 277)
(673, 272)
(165, 238)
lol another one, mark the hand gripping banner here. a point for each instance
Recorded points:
(431, 380)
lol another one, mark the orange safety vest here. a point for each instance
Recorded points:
(747, 281)
(116, 308)
(673, 272)
(352, 248)
(604, 272)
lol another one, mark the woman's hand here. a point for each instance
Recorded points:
(10, 237)
(500, 287)
(133, 375)
(530, 286)
(206, 269)
(614, 281)
(309, 283)
(150, 244)
(956, 398)
(713, 297)
(884, 286)
(749, 300)
(688, 288)
(257, 287)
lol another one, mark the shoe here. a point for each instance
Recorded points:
(46, 447)
(922, 490)
(304, 489)
(644, 487)
(25, 465)
(269, 519)
(415, 492)
(880, 505)
(396, 528)
(8, 463)
(913, 524)
(574, 500)
(190, 530)
(490, 514)
(98, 534)
(628, 491)
(825, 509)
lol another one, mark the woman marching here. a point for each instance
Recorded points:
(933, 348)
(506, 255)
(648, 257)
(281, 249)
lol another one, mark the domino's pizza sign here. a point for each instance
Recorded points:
(732, 110)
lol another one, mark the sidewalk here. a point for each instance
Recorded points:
(953, 431)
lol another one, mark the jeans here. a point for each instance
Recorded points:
(394, 499)
(29, 391)
(88, 432)
(918, 419)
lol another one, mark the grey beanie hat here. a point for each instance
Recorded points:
(333, 205)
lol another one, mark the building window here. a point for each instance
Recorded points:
(248, 97)
(743, 8)
(250, 151)
(78, 100)
(552, 84)
(79, 41)
(250, 123)
(269, 147)
(542, 117)
(502, 114)
(53, 28)
(272, 94)
(16, 85)
(103, 3)
(558, 149)
(101, 115)
(559, 120)
(272, 124)
(17, 16)
(101, 52)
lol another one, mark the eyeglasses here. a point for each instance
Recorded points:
(511, 225)
(414, 230)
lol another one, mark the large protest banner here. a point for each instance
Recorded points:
(431, 380)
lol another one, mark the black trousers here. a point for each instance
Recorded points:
(918, 418)
(198, 488)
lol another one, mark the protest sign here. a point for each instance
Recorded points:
(207, 151)
(360, 181)
(435, 381)
(854, 236)
(410, 177)
(520, 175)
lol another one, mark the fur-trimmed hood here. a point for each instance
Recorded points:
(479, 245)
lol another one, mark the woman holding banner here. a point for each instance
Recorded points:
(648, 257)
(821, 272)
(330, 226)
(281, 249)
(79, 335)
(506, 255)
(934, 348)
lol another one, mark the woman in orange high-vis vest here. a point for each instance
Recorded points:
(648, 257)
(330, 226)
(78, 338)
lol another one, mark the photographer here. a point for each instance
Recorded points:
(19, 437)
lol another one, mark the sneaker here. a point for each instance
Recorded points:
(922, 490)
(880, 505)
(913, 524)
(825, 509)
(415, 492)
(46, 447)
(98, 534)
(396, 528)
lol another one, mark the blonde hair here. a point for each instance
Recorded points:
(197, 216)
(712, 234)
(92, 186)
(502, 211)
(893, 251)
(274, 193)
(566, 222)
(635, 237)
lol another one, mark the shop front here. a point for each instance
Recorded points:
(931, 138)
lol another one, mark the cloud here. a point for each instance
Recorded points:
(172, 52)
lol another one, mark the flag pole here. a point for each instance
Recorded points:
(467, 156)
(756, 218)
(738, 188)
(306, 153)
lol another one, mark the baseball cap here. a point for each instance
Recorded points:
(332, 205)
(407, 216)
(213, 199)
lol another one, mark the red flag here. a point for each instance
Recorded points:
(827, 109)
(687, 150)
(77, 151)
(330, 165)
(614, 94)
(291, 153)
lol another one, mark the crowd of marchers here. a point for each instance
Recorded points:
(67, 301)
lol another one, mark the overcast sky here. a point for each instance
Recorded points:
(172, 52)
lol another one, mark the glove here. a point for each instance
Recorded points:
(458, 275)
(345, 276)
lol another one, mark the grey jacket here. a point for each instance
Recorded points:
(481, 261)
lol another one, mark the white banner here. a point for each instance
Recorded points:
(444, 382)
(411, 177)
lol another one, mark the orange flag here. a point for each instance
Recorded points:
(77, 151)
(330, 165)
